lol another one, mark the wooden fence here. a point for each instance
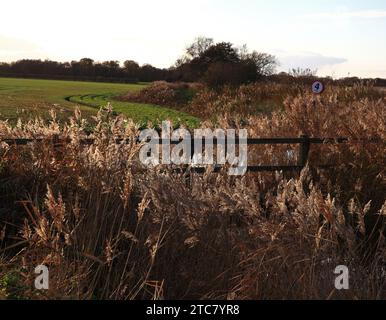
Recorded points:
(304, 143)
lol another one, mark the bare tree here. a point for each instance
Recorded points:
(199, 46)
(184, 59)
(299, 73)
(265, 63)
(243, 52)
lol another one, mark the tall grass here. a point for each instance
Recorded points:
(266, 97)
(108, 228)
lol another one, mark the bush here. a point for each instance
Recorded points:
(165, 94)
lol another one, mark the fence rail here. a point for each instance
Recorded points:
(304, 142)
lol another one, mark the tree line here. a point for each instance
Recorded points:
(84, 69)
(203, 61)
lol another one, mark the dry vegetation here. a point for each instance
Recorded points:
(165, 94)
(108, 228)
(265, 97)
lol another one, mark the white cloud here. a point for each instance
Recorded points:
(308, 60)
(365, 14)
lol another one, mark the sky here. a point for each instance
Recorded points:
(336, 37)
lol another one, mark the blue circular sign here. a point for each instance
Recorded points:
(317, 87)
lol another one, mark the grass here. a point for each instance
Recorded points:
(140, 112)
(27, 98)
(109, 228)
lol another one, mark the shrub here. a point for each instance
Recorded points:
(164, 94)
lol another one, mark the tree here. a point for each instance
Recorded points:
(86, 67)
(222, 63)
(265, 63)
(220, 52)
(198, 47)
(226, 73)
(86, 62)
(130, 65)
(183, 60)
(131, 69)
(112, 64)
(303, 73)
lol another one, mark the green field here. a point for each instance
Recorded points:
(26, 98)
(140, 112)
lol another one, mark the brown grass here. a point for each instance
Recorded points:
(257, 98)
(109, 229)
(165, 94)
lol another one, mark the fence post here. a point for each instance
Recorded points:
(55, 140)
(188, 169)
(304, 151)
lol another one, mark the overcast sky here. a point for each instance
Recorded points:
(337, 37)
